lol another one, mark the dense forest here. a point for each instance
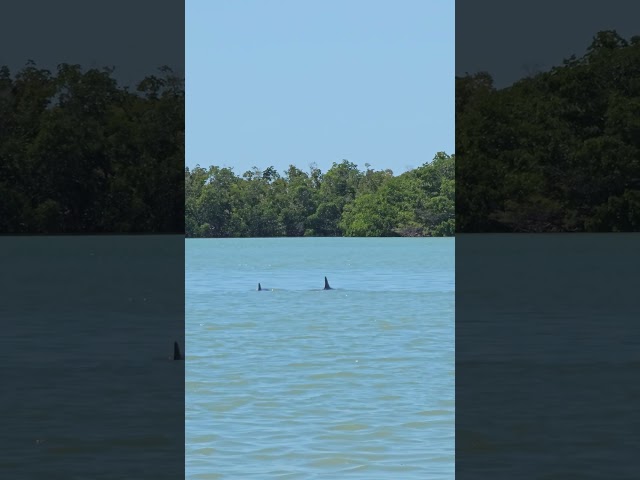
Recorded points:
(343, 201)
(558, 151)
(80, 154)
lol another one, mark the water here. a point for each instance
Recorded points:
(296, 383)
(88, 327)
(547, 350)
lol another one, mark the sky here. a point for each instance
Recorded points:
(511, 39)
(136, 37)
(289, 82)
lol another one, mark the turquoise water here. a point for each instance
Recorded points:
(295, 382)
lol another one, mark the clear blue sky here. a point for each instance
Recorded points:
(284, 82)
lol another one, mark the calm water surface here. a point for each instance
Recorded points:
(548, 342)
(295, 382)
(88, 390)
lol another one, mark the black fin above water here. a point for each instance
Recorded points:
(259, 288)
(326, 284)
(177, 355)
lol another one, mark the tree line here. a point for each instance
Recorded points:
(343, 201)
(558, 151)
(81, 154)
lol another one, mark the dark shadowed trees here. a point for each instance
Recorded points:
(558, 151)
(79, 154)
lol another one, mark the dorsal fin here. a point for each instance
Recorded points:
(326, 284)
(259, 287)
(177, 355)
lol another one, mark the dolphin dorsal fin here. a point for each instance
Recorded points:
(326, 284)
(177, 355)
(259, 287)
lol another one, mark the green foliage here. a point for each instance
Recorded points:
(344, 201)
(559, 151)
(80, 154)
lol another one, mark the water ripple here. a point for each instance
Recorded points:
(298, 383)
